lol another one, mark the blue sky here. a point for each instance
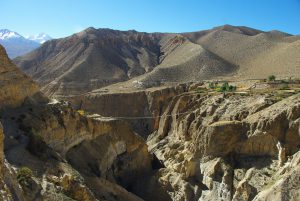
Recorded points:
(60, 18)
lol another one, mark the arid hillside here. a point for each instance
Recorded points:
(258, 54)
(95, 58)
(91, 59)
(187, 142)
(42, 144)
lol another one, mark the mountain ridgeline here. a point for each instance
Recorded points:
(17, 45)
(131, 118)
(95, 58)
(176, 143)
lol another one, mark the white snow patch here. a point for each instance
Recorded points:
(6, 34)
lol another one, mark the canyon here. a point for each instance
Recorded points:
(131, 136)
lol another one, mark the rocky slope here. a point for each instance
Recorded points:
(15, 86)
(129, 105)
(46, 147)
(227, 148)
(95, 58)
(211, 146)
(165, 143)
(84, 158)
(258, 54)
(91, 59)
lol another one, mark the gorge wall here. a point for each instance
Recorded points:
(193, 145)
(211, 146)
(45, 148)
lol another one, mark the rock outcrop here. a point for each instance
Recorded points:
(54, 152)
(106, 148)
(77, 154)
(131, 106)
(1, 150)
(15, 86)
(286, 185)
(165, 143)
(210, 146)
(226, 144)
(4, 191)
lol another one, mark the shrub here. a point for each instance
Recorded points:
(271, 78)
(219, 89)
(212, 85)
(24, 175)
(226, 87)
(232, 88)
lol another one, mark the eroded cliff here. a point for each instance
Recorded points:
(53, 152)
(232, 147)
(213, 146)
(167, 143)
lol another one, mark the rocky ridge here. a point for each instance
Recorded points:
(42, 137)
(219, 142)
(95, 58)
(15, 44)
(233, 147)
(193, 145)
(15, 86)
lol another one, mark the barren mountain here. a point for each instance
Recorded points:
(258, 54)
(91, 59)
(95, 58)
(38, 140)
(174, 143)
(15, 44)
(40, 38)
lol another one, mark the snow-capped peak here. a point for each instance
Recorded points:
(40, 38)
(7, 34)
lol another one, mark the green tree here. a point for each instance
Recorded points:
(271, 78)
(225, 87)
(232, 88)
(212, 85)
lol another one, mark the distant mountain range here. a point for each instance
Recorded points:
(95, 58)
(40, 38)
(17, 45)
